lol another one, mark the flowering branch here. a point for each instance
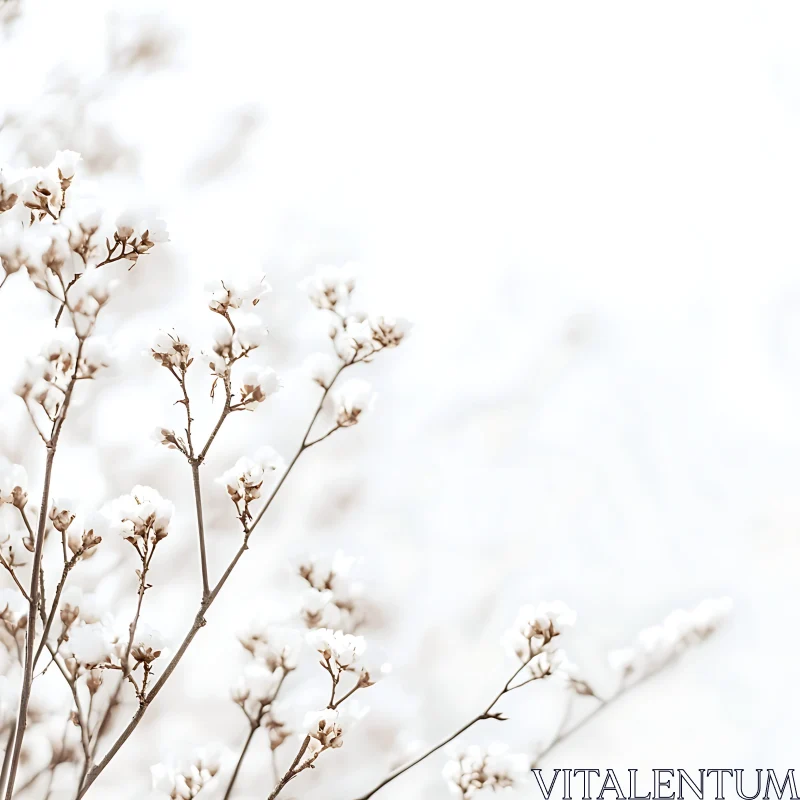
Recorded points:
(199, 620)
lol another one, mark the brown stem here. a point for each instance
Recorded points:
(7, 757)
(292, 771)
(485, 714)
(54, 608)
(27, 678)
(198, 503)
(229, 790)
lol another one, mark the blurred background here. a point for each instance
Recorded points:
(589, 213)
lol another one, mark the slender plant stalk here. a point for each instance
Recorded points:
(291, 772)
(7, 756)
(198, 502)
(229, 790)
(33, 610)
(487, 713)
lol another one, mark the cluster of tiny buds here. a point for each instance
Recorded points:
(494, 769)
(186, 779)
(332, 599)
(533, 637)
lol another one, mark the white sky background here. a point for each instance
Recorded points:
(590, 213)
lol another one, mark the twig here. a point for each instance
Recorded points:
(487, 713)
(253, 729)
(292, 772)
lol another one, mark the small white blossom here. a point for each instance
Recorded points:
(142, 513)
(388, 331)
(13, 483)
(250, 332)
(322, 368)
(536, 628)
(170, 350)
(13, 608)
(147, 644)
(257, 386)
(351, 400)
(66, 164)
(245, 480)
(237, 293)
(341, 649)
(90, 644)
(324, 729)
(329, 287)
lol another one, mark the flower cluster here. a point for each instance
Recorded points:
(495, 768)
(332, 599)
(64, 359)
(186, 779)
(324, 729)
(356, 337)
(246, 479)
(273, 654)
(143, 516)
(532, 638)
(659, 644)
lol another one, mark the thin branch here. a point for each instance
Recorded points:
(292, 771)
(229, 790)
(54, 608)
(487, 713)
(565, 733)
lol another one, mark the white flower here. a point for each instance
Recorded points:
(474, 769)
(90, 644)
(245, 479)
(141, 513)
(546, 663)
(13, 607)
(168, 780)
(350, 401)
(61, 513)
(170, 350)
(96, 355)
(321, 368)
(250, 332)
(389, 331)
(323, 727)
(66, 164)
(536, 627)
(329, 287)
(257, 386)
(147, 644)
(343, 649)
(13, 483)
(142, 234)
(237, 292)
(259, 683)
(277, 648)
